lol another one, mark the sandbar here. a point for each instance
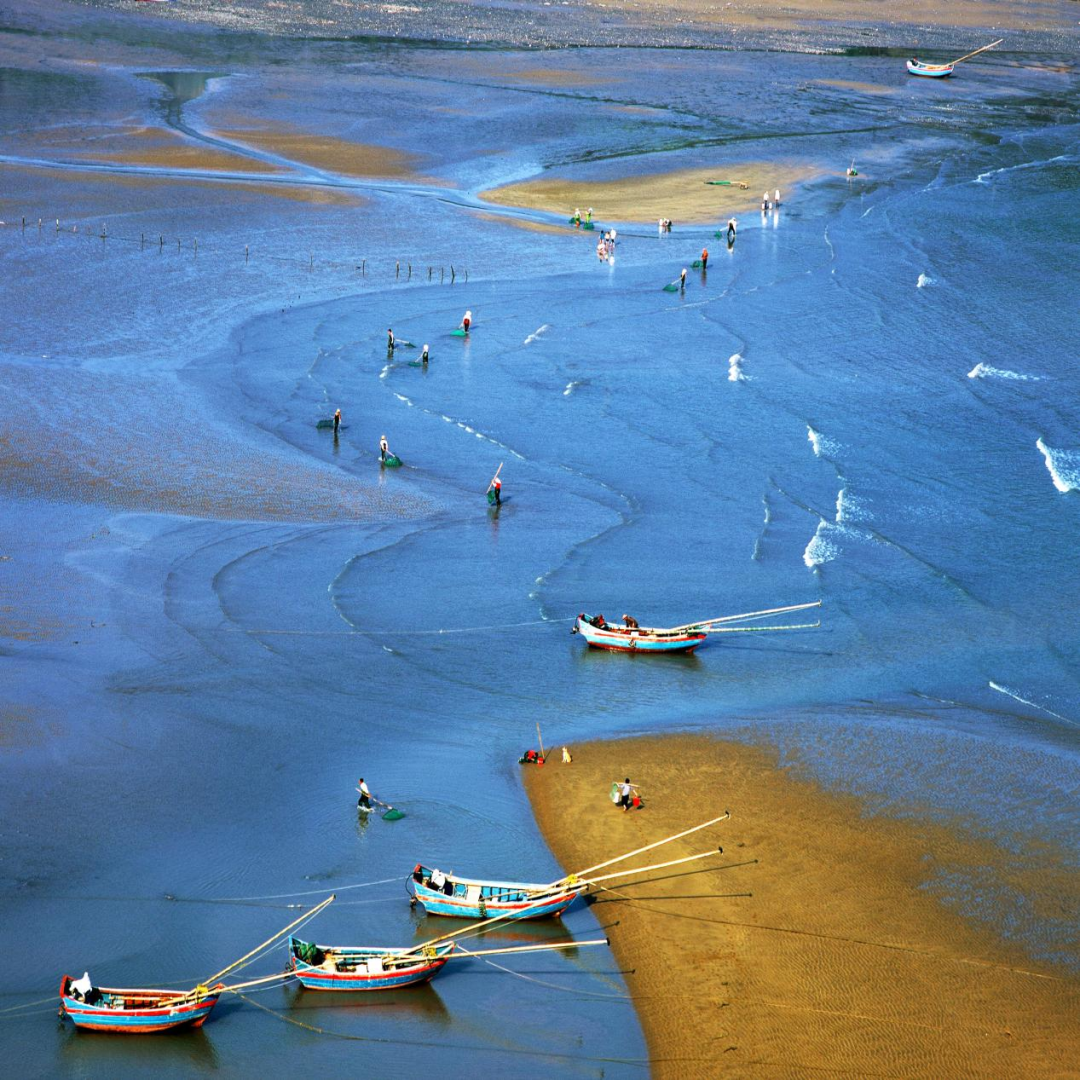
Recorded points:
(680, 194)
(329, 153)
(820, 945)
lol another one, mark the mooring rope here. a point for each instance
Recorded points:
(307, 892)
(541, 982)
(384, 630)
(641, 1063)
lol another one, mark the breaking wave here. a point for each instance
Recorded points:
(984, 178)
(823, 447)
(924, 280)
(1063, 466)
(1024, 701)
(985, 371)
(535, 334)
(571, 387)
(822, 547)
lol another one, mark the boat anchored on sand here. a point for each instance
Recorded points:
(470, 898)
(916, 66)
(600, 634)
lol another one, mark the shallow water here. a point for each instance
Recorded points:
(208, 637)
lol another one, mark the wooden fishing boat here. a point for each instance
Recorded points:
(600, 634)
(137, 1012)
(636, 639)
(941, 71)
(339, 967)
(931, 71)
(469, 898)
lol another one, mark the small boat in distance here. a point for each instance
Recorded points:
(940, 71)
(599, 634)
(469, 898)
(340, 967)
(135, 1012)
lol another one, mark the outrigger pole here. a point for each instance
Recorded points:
(648, 847)
(969, 55)
(269, 941)
(703, 623)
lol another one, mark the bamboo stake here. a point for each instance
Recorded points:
(528, 948)
(269, 941)
(648, 847)
(968, 56)
(540, 738)
(655, 866)
(496, 476)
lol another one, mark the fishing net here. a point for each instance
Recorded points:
(393, 815)
(392, 460)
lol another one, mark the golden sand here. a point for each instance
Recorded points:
(817, 947)
(520, 223)
(331, 154)
(681, 195)
(162, 149)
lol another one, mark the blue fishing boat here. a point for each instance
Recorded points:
(601, 635)
(469, 898)
(916, 66)
(339, 967)
(135, 1012)
(632, 638)
(930, 71)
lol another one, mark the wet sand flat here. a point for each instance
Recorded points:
(329, 153)
(137, 444)
(818, 947)
(682, 195)
(794, 14)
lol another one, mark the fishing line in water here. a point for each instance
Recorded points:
(395, 633)
(639, 1062)
(306, 892)
(541, 982)
(26, 1005)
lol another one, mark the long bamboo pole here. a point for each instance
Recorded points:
(540, 738)
(527, 948)
(282, 975)
(648, 847)
(751, 629)
(496, 476)
(655, 866)
(269, 941)
(968, 56)
(748, 615)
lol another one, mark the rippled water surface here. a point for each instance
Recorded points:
(216, 616)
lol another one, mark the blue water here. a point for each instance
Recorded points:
(208, 636)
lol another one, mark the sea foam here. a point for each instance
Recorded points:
(823, 447)
(1063, 466)
(535, 334)
(985, 371)
(1008, 692)
(821, 548)
(924, 280)
(735, 373)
